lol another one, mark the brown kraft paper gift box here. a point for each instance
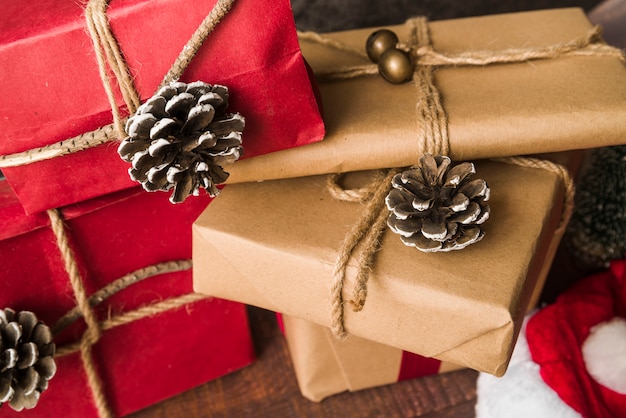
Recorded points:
(535, 106)
(274, 245)
(325, 366)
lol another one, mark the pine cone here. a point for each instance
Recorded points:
(437, 207)
(181, 137)
(26, 359)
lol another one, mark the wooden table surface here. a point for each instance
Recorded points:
(268, 388)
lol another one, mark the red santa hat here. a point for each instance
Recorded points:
(570, 359)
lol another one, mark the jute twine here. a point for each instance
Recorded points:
(84, 305)
(432, 137)
(111, 65)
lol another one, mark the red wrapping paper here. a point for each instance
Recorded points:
(49, 67)
(145, 361)
(414, 365)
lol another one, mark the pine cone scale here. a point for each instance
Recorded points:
(11, 334)
(27, 381)
(140, 126)
(422, 243)
(162, 128)
(226, 125)
(28, 322)
(458, 173)
(436, 231)
(416, 184)
(6, 390)
(199, 118)
(155, 106)
(179, 105)
(27, 354)
(430, 172)
(405, 227)
(160, 148)
(157, 176)
(475, 188)
(212, 99)
(9, 359)
(46, 367)
(421, 205)
(183, 188)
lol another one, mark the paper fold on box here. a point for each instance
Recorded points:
(274, 245)
(497, 110)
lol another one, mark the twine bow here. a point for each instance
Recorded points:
(432, 138)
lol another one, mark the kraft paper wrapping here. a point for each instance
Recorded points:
(538, 106)
(273, 244)
(325, 366)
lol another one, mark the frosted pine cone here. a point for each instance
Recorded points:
(436, 207)
(26, 359)
(181, 137)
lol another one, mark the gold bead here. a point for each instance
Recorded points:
(379, 42)
(395, 66)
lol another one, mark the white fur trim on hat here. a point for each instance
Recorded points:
(521, 392)
(604, 353)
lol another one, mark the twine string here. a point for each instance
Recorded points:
(364, 230)
(138, 314)
(561, 172)
(107, 51)
(85, 304)
(109, 58)
(432, 137)
(589, 44)
(424, 55)
(119, 285)
(92, 333)
(189, 51)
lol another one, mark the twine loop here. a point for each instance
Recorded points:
(432, 137)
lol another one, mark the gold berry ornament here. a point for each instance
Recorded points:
(395, 66)
(379, 42)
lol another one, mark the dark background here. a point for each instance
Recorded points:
(335, 15)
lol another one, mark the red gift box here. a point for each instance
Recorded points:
(53, 90)
(140, 361)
